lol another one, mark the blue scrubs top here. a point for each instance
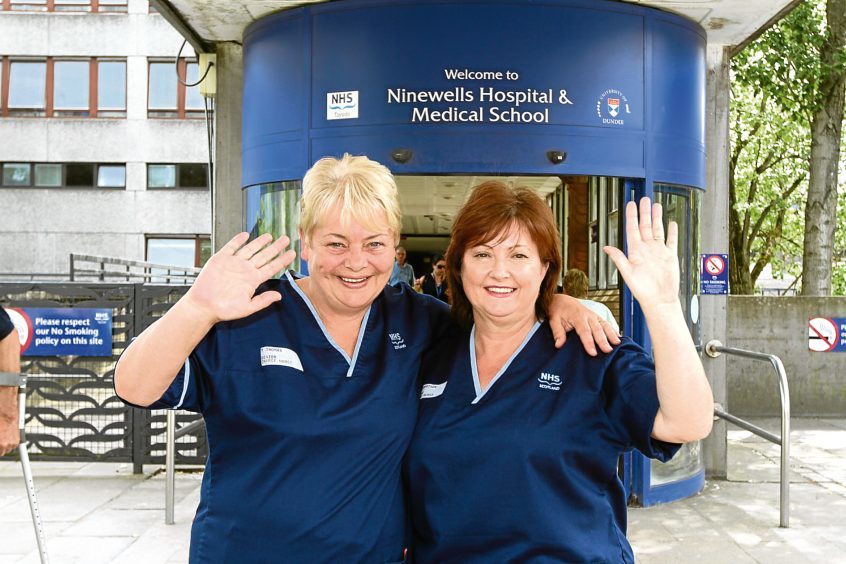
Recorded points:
(305, 443)
(526, 471)
(6, 324)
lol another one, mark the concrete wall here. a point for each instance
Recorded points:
(779, 326)
(40, 227)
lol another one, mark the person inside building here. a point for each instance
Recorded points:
(514, 457)
(308, 385)
(576, 284)
(402, 272)
(10, 361)
(435, 283)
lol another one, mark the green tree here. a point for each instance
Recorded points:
(770, 114)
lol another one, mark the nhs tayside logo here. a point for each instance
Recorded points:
(397, 341)
(548, 381)
(342, 105)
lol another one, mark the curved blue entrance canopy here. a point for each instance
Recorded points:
(564, 87)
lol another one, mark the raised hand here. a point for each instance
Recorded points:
(651, 269)
(226, 286)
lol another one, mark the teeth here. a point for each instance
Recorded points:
(353, 280)
(501, 290)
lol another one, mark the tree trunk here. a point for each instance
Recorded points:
(821, 207)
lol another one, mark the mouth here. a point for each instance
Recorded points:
(500, 290)
(354, 282)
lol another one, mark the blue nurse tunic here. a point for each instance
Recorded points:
(526, 470)
(305, 442)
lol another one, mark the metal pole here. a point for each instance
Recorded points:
(170, 462)
(28, 482)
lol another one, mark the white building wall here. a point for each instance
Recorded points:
(40, 227)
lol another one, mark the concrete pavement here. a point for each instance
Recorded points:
(103, 513)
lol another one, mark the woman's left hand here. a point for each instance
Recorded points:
(566, 313)
(651, 269)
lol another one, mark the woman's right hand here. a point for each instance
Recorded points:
(225, 288)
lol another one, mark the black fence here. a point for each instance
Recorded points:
(72, 411)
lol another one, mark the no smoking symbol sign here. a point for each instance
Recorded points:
(715, 265)
(822, 334)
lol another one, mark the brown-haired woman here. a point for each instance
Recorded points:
(514, 457)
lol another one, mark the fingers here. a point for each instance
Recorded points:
(632, 229)
(645, 221)
(236, 242)
(254, 246)
(657, 222)
(585, 333)
(559, 333)
(278, 264)
(263, 300)
(269, 252)
(673, 238)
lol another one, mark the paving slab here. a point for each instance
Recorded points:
(104, 513)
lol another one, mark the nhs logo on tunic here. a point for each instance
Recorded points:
(549, 381)
(342, 105)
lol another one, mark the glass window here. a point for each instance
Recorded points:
(70, 85)
(161, 176)
(162, 86)
(111, 85)
(193, 176)
(111, 176)
(16, 174)
(27, 84)
(193, 98)
(172, 252)
(48, 175)
(29, 5)
(113, 5)
(72, 5)
(79, 175)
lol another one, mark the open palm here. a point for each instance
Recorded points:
(651, 269)
(225, 288)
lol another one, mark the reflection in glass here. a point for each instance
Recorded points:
(111, 176)
(27, 84)
(193, 175)
(193, 98)
(16, 174)
(161, 176)
(70, 85)
(48, 175)
(275, 208)
(162, 86)
(685, 464)
(79, 175)
(111, 86)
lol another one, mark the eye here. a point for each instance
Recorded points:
(335, 245)
(376, 244)
(520, 255)
(481, 254)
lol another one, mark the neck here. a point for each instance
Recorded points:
(499, 336)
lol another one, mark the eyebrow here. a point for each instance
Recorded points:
(518, 245)
(339, 236)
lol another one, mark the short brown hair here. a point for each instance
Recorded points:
(492, 208)
(575, 283)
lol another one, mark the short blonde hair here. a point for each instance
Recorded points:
(363, 188)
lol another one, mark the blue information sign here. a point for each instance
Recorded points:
(713, 275)
(63, 331)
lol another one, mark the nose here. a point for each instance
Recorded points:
(499, 269)
(355, 258)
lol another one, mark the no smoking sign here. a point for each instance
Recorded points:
(827, 334)
(713, 275)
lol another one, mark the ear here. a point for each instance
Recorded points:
(305, 246)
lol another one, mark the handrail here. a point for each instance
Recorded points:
(713, 349)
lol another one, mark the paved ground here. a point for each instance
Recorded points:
(103, 513)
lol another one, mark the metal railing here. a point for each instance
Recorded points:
(172, 433)
(714, 349)
(109, 269)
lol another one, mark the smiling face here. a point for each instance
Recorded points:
(502, 277)
(349, 264)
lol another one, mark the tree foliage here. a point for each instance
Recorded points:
(776, 85)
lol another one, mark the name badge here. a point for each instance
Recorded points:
(432, 390)
(280, 356)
